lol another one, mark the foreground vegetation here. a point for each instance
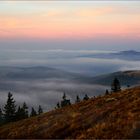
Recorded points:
(115, 115)
(10, 112)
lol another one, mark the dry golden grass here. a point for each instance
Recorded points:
(116, 115)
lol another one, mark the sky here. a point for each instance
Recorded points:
(103, 25)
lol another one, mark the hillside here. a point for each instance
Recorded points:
(44, 73)
(126, 78)
(115, 115)
(35, 73)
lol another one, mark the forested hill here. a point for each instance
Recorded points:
(115, 115)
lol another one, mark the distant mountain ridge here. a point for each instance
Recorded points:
(124, 55)
(130, 52)
(37, 72)
(131, 78)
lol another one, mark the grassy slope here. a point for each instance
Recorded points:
(102, 117)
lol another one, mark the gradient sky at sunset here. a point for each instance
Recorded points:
(61, 20)
(69, 19)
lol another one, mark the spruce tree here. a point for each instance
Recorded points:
(19, 113)
(106, 92)
(10, 109)
(115, 86)
(22, 112)
(64, 96)
(65, 101)
(40, 110)
(0, 114)
(25, 110)
(86, 97)
(33, 112)
(58, 105)
(77, 99)
(1, 117)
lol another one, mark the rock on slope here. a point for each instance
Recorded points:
(116, 115)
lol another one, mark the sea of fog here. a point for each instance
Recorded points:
(47, 92)
(68, 60)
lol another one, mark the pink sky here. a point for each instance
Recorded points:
(51, 20)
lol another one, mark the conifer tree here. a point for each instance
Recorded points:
(58, 105)
(22, 112)
(33, 112)
(77, 99)
(0, 114)
(65, 101)
(40, 110)
(64, 96)
(86, 97)
(106, 92)
(10, 109)
(1, 117)
(115, 86)
(19, 113)
(25, 110)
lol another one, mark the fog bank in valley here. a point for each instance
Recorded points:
(47, 92)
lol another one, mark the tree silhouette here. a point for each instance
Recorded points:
(0, 114)
(22, 112)
(9, 109)
(19, 114)
(86, 97)
(33, 112)
(58, 105)
(128, 86)
(40, 110)
(25, 110)
(1, 117)
(64, 96)
(106, 92)
(65, 101)
(115, 86)
(77, 99)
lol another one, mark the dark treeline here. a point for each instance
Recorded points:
(11, 112)
(66, 101)
(115, 87)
